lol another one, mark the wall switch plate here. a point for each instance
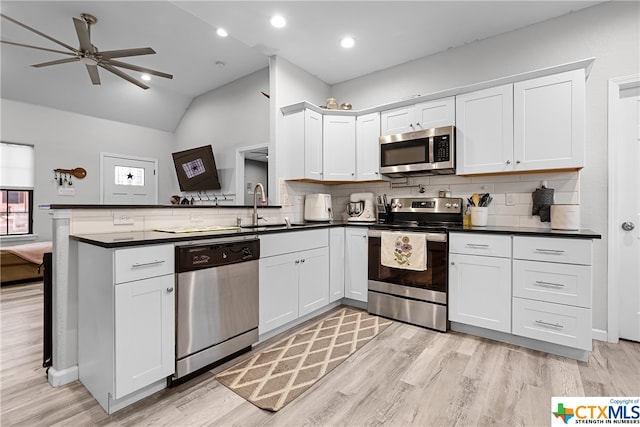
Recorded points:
(510, 199)
(65, 191)
(197, 218)
(123, 220)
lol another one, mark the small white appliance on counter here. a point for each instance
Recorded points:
(317, 207)
(361, 208)
(565, 217)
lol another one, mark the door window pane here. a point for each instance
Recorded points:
(126, 175)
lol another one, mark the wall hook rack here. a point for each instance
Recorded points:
(63, 176)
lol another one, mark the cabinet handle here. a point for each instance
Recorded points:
(145, 264)
(302, 260)
(169, 290)
(517, 162)
(550, 251)
(552, 325)
(477, 245)
(508, 162)
(411, 125)
(541, 283)
(418, 124)
(453, 263)
(297, 261)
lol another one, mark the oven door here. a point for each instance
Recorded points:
(429, 285)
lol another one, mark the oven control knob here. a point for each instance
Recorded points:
(396, 205)
(224, 255)
(455, 205)
(447, 205)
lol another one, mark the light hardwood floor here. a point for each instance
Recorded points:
(407, 376)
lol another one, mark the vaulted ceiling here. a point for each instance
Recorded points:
(183, 34)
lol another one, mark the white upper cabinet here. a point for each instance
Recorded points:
(549, 122)
(425, 115)
(302, 140)
(367, 147)
(339, 148)
(535, 124)
(484, 131)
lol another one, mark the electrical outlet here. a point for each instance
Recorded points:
(65, 191)
(197, 218)
(510, 199)
(123, 220)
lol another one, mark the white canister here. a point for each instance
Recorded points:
(479, 216)
(565, 217)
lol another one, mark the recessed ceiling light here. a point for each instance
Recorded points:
(145, 77)
(278, 21)
(347, 42)
(222, 32)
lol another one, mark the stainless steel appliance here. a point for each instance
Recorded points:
(417, 297)
(216, 301)
(422, 152)
(361, 208)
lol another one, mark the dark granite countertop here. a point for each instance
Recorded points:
(111, 207)
(151, 237)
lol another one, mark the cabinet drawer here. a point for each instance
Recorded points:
(554, 323)
(480, 244)
(568, 251)
(551, 282)
(142, 262)
(292, 241)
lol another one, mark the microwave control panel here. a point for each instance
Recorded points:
(441, 151)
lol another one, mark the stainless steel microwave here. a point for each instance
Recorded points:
(422, 152)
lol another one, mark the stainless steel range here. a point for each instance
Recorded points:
(416, 295)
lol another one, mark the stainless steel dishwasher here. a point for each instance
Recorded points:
(216, 301)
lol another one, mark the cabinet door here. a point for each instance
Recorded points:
(480, 291)
(339, 148)
(356, 262)
(549, 121)
(312, 145)
(313, 280)
(278, 291)
(436, 113)
(368, 147)
(336, 263)
(398, 120)
(484, 131)
(144, 333)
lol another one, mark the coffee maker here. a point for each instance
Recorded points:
(361, 208)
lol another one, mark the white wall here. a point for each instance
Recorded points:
(231, 116)
(609, 32)
(69, 140)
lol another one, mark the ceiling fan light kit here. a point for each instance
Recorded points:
(89, 55)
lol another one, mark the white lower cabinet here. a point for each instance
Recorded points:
(126, 322)
(336, 263)
(480, 286)
(356, 263)
(294, 276)
(542, 292)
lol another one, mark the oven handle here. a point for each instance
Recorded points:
(430, 237)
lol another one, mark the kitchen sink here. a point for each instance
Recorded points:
(270, 226)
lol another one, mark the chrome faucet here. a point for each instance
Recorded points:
(263, 198)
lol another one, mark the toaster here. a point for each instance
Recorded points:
(317, 207)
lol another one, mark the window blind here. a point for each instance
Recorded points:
(17, 166)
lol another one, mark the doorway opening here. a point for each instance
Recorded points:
(252, 166)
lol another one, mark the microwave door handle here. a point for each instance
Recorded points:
(431, 155)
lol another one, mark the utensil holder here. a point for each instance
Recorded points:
(479, 216)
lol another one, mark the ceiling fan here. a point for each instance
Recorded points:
(88, 53)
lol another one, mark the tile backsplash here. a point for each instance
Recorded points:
(516, 188)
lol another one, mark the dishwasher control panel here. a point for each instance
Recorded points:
(189, 258)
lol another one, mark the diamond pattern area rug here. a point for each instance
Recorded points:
(283, 371)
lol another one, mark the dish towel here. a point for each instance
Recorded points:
(403, 250)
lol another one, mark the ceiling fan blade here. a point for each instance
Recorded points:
(39, 48)
(140, 69)
(93, 74)
(127, 52)
(123, 75)
(59, 61)
(39, 33)
(83, 35)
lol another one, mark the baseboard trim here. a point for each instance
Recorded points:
(599, 334)
(58, 378)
